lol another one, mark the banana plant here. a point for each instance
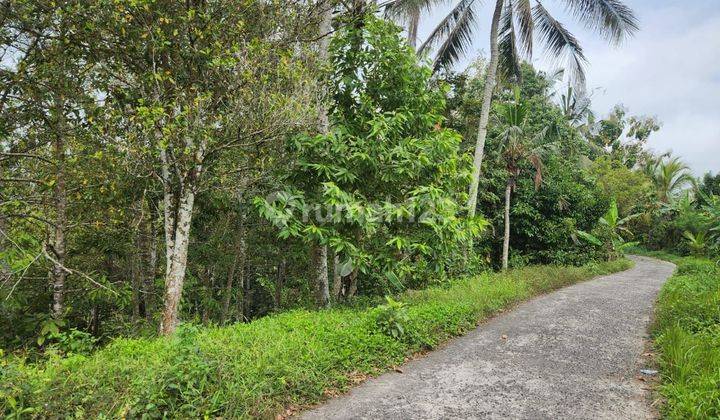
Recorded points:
(617, 227)
(696, 241)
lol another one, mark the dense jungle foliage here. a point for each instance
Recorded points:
(198, 164)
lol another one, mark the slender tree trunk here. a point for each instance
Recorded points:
(506, 237)
(238, 260)
(319, 252)
(413, 23)
(136, 261)
(151, 263)
(208, 286)
(95, 321)
(319, 260)
(5, 270)
(245, 298)
(490, 78)
(58, 274)
(280, 283)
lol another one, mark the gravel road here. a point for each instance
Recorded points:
(574, 353)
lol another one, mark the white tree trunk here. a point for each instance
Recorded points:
(506, 237)
(175, 275)
(168, 212)
(490, 78)
(58, 273)
(319, 260)
(320, 255)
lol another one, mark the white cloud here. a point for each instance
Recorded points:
(670, 69)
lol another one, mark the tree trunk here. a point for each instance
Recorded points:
(490, 77)
(58, 273)
(324, 46)
(352, 283)
(337, 279)
(319, 252)
(95, 321)
(319, 261)
(136, 261)
(413, 23)
(244, 298)
(151, 263)
(135, 282)
(238, 260)
(280, 283)
(178, 248)
(208, 280)
(5, 270)
(506, 237)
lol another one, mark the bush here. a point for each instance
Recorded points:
(688, 337)
(260, 368)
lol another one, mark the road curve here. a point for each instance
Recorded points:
(572, 353)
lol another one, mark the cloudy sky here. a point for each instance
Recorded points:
(670, 69)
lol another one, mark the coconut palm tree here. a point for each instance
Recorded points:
(670, 176)
(516, 150)
(515, 25)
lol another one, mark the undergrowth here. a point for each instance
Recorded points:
(687, 336)
(260, 368)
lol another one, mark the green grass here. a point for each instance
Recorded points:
(258, 369)
(687, 336)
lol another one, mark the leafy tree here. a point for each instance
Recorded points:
(388, 173)
(710, 184)
(632, 190)
(621, 137)
(512, 31)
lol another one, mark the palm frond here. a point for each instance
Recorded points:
(509, 61)
(611, 18)
(560, 43)
(526, 24)
(402, 8)
(453, 33)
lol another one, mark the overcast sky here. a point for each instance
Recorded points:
(670, 69)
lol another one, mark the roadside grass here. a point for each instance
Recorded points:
(687, 336)
(293, 359)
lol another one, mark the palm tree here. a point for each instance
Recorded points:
(514, 25)
(670, 176)
(515, 150)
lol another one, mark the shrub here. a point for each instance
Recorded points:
(687, 334)
(259, 368)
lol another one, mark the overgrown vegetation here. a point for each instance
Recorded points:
(258, 369)
(687, 335)
(204, 163)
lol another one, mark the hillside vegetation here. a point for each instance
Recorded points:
(258, 369)
(688, 338)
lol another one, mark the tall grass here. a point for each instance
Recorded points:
(688, 338)
(260, 368)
